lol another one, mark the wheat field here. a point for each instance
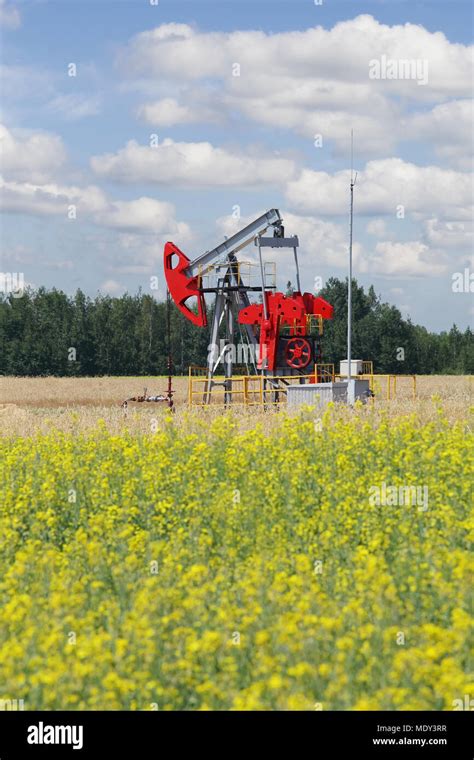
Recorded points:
(29, 405)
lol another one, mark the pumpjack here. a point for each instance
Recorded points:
(277, 327)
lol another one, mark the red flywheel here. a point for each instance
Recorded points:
(298, 353)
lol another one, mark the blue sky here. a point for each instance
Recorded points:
(248, 140)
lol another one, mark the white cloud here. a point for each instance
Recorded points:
(449, 127)
(165, 113)
(341, 54)
(75, 106)
(189, 164)
(323, 78)
(383, 186)
(437, 203)
(20, 83)
(168, 112)
(377, 228)
(30, 156)
(30, 198)
(19, 255)
(138, 253)
(332, 125)
(9, 15)
(112, 288)
(141, 216)
(144, 215)
(322, 243)
(449, 235)
(404, 259)
(29, 160)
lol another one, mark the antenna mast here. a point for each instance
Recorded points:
(349, 285)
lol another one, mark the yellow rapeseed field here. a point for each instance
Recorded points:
(210, 567)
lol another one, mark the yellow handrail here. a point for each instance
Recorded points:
(256, 389)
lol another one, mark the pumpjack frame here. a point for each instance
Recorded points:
(233, 306)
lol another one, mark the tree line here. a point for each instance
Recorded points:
(47, 332)
(395, 345)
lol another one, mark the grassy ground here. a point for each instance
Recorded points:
(28, 405)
